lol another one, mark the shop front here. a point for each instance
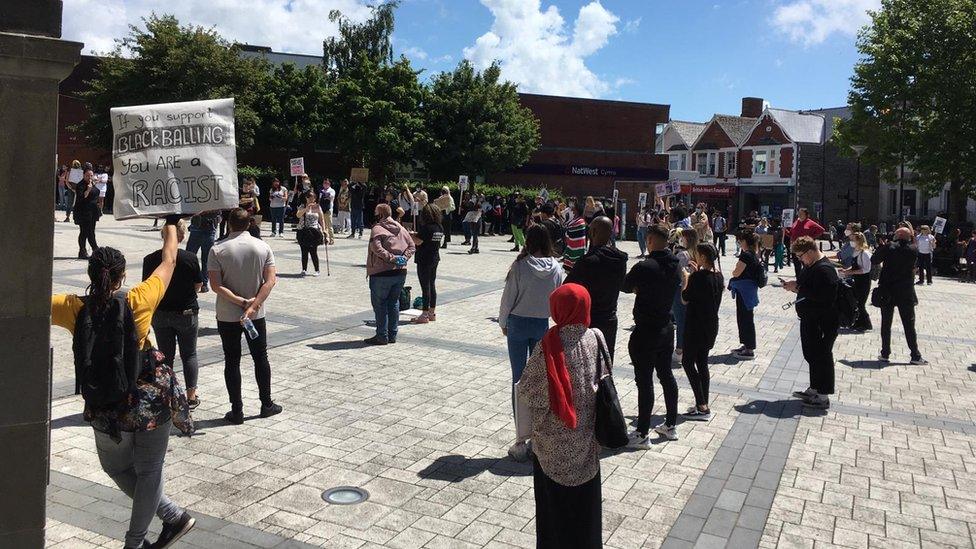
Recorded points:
(719, 197)
(768, 200)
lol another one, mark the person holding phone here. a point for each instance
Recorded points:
(242, 274)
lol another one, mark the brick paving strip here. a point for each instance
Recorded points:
(105, 510)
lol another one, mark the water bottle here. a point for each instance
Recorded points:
(401, 261)
(252, 332)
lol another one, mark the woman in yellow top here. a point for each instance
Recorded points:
(131, 437)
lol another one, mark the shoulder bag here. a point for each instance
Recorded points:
(611, 425)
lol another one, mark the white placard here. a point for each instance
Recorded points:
(787, 217)
(174, 158)
(75, 175)
(616, 195)
(463, 182)
(642, 200)
(661, 189)
(939, 225)
(544, 193)
(297, 166)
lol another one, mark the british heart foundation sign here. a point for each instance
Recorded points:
(174, 158)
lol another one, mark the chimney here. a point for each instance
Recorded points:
(752, 107)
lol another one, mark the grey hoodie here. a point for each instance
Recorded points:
(527, 288)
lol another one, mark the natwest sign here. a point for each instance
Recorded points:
(587, 170)
(708, 190)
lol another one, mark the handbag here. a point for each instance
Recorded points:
(610, 429)
(880, 297)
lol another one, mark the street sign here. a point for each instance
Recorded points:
(297, 166)
(939, 225)
(174, 158)
(463, 183)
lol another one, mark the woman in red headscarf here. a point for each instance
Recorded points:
(559, 385)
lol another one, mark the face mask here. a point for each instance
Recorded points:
(847, 232)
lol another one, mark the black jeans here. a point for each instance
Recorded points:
(446, 223)
(817, 335)
(695, 362)
(609, 328)
(907, 313)
(312, 251)
(427, 273)
(230, 339)
(925, 268)
(650, 351)
(862, 287)
(567, 517)
(719, 241)
(172, 327)
(86, 232)
(745, 319)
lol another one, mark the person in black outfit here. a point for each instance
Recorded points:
(555, 230)
(896, 289)
(357, 203)
(177, 317)
(428, 239)
(86, 213)
(601, 271)
(749, 268)
(702, 293)
(655, 281)
(519, 215)
(816, 289)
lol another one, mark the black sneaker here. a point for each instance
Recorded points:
(375, 340)
(234, 418)
(515, 249)
(83, 254)
(173, 532)
(270, 410)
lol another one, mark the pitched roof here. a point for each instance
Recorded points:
(688, 131)
(800, 127)
(736, 127)
(844, 113)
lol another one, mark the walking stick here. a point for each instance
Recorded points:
(328, 270)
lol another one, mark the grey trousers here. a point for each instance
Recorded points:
(136, 466)
(172, 327)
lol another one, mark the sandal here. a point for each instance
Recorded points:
(422, 319)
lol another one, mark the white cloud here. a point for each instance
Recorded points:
(413, 52)
(811, 22)
(536, 50)
(296, 26)
(632, 25)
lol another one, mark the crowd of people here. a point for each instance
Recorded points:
(558, 314)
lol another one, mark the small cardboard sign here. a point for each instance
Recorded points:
(939, 226)
(463, 182)
(787, 217)
(297, 166)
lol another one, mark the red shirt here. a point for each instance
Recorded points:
(807, 227)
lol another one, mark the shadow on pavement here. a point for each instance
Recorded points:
(455, 468)
(866, 364)
(74, 420)
(780, 409)
(340, 345)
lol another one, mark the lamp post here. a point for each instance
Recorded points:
(858, 150)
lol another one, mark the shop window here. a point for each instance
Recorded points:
(712, 163)
(730, 163)
(702, 160)
(760, 162)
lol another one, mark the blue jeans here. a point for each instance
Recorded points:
(202, 241)
(679, 310)
(523, 335)
(384, 294)
(278, 220)
(357, 220)
(642, 239)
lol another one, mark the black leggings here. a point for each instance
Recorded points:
(695, 362)
(745, 318)
(86, 231)
(427, 273)
(310, 251)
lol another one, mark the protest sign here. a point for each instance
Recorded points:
(661, 189)
(297, 166)
(463, 183)
(674, 187)
(174, 158)
(939, 225)
(787, 217)
(359, 175)
(642, 200)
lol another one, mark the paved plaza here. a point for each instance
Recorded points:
(424, 426)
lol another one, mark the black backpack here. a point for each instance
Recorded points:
(106, 354)
(846, 303)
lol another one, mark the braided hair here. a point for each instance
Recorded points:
(106, 268)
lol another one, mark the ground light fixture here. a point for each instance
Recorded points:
(345, 495)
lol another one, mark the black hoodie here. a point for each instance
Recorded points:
(601, 271)
(655, 281)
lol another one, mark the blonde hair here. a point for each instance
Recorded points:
(75, 163)
(860, 242)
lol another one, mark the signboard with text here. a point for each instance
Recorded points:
(297, 166)
(787, 220)
(642, 200)
(174, 158)
(359, 175)
(463, 182)
(939, 226)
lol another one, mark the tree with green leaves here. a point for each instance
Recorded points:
(375, 118)
(474, 124)
(913, 95)
(166, 62)
(372, 38)
(293, 107)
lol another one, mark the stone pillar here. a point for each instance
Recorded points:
(31, 67)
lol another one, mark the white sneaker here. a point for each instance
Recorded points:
(670, 433)
(316, 273)
(304, 273)
(520, 451)
(637, 440)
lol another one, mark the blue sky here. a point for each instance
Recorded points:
(701, 57)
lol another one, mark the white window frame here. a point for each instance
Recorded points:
(731, 163)
(712, 164)
(674, 160)
(702, 163)
(755, 162)
(772, 155)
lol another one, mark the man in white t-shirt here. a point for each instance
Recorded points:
(925, 242)
(242, 273)
(326, 199)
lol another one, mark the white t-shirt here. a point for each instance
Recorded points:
(278, 198)
(863, 261)
(925, 243)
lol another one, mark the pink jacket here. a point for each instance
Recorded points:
(387, 240)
